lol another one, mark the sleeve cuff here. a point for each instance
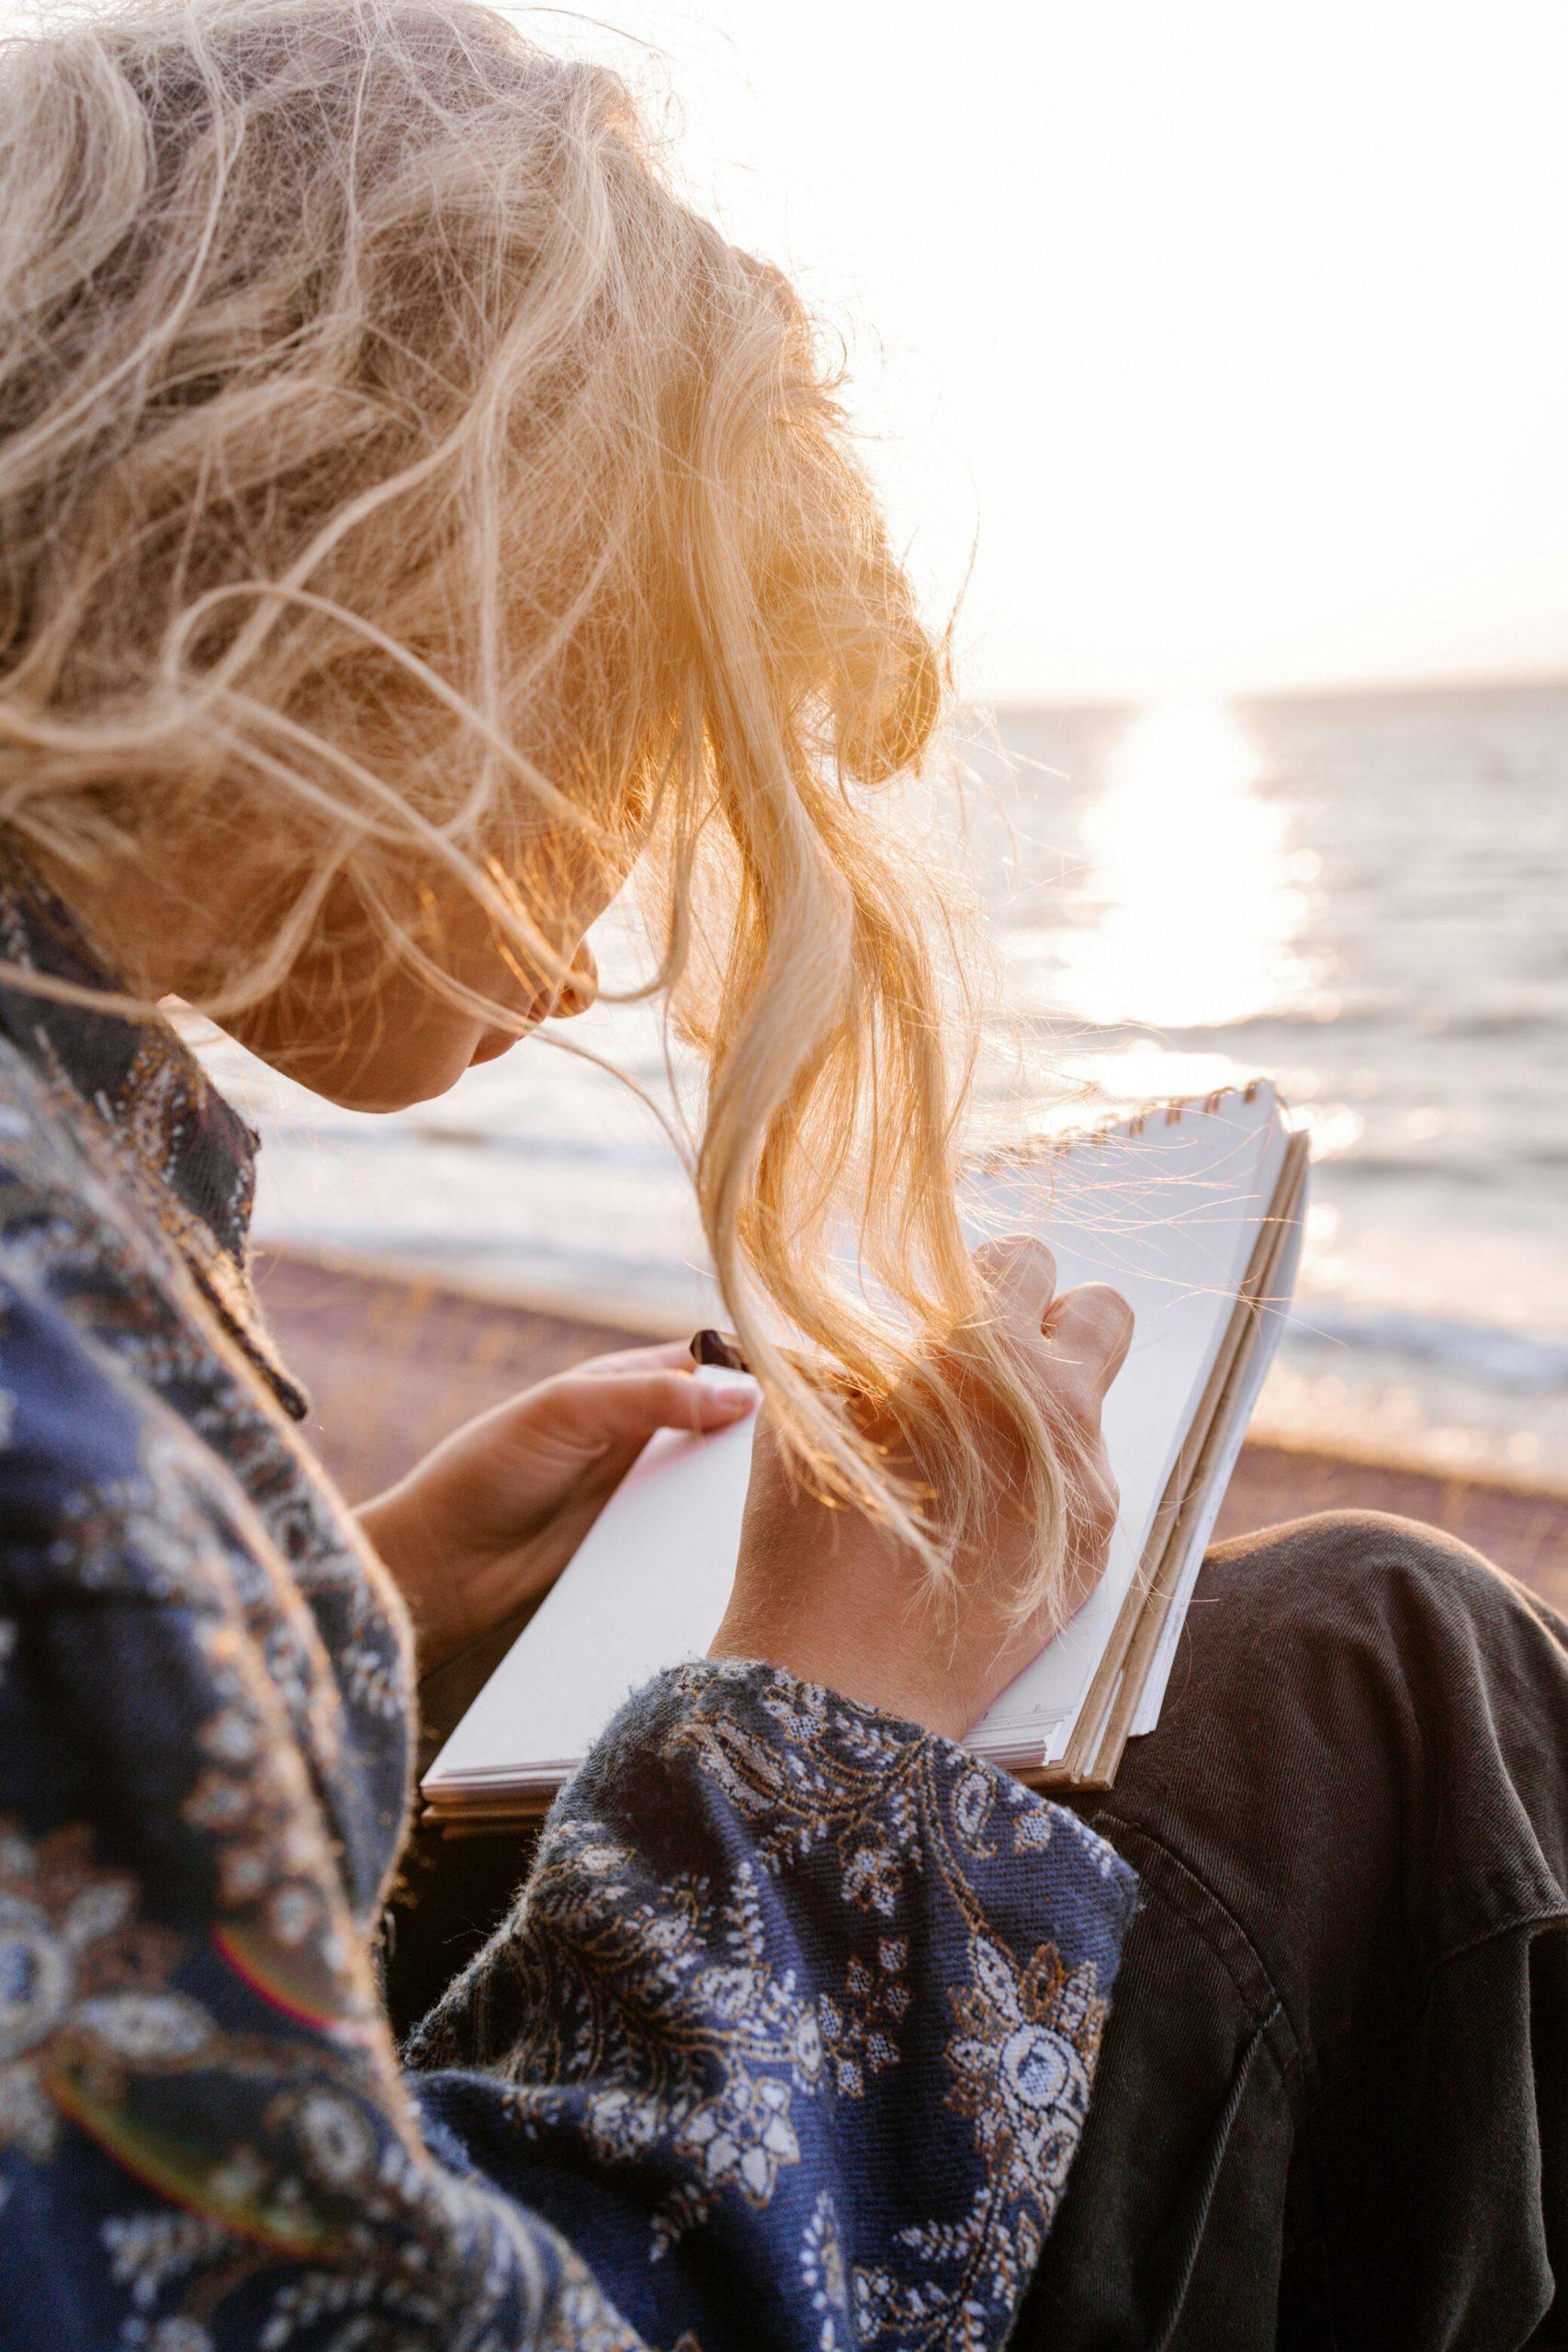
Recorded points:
(799, 1766)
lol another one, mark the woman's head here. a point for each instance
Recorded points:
(410, 514)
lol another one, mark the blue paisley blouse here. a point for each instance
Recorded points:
(788, 2039)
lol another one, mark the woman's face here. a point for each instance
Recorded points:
(363, 1028)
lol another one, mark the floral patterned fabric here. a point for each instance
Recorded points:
(789, 2038)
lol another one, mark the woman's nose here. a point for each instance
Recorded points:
(580, 987)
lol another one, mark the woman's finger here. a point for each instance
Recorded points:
(1090, 1330)
(672, 1355)
(624, 1408)
(1021, 1273)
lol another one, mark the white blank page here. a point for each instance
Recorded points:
(646, 1589)
(1169, 1218)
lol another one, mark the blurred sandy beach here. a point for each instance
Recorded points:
(392, 1363)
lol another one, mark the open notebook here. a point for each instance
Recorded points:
(1194, 1212)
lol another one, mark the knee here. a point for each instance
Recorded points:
(1355, 1566)
(1348, 1543)
(1334, 1651)
(1362, 1757)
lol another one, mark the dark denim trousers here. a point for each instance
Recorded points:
(1332, 2107)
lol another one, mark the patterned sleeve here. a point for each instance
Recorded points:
(788, 2044)
(206, 2140)
(792, 2031)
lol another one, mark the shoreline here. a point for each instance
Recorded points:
(394, 1359)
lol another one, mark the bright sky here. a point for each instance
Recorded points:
(1233, 332)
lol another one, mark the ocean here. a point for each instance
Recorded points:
(1363, 896)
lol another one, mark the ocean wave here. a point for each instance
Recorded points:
(1421, 1166)
(414, 1138)
(1441, 1163)
(564, 1278)
(1525, 1364)
(572, 1274)
(593, 1151)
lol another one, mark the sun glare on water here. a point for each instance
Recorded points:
(1193, 905)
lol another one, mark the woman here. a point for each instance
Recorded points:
(411, 516)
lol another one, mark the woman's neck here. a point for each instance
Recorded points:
(151, 929)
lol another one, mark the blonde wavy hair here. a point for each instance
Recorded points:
(396, 474)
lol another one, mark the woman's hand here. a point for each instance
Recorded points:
(491, 1518)
(836, 1599)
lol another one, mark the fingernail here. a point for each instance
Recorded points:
(733, 1393)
